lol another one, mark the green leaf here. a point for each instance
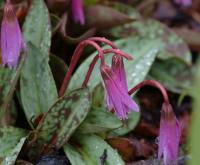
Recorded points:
(143, 52)
(195, 133)
(58, 68)
(6, 76)
(171, 72)
(99, 120)
(79, 110)
(36, 28)
(37, 86)
(168, 42)
(1, 3)
(93, 148)
(63, 118)
(103, 17)
(98, 96)
(11, 142)
(126, 9)
(8, 82)
(74, 156)
(131, 123)
(89, 2)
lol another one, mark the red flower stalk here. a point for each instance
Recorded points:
(74, 60)
(106, 51)
(77, 54)
(118, 87)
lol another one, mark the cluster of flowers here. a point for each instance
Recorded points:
(114, 78)
(118, 99)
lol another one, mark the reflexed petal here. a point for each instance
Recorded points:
(117, 95)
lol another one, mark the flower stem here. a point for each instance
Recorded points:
(104, 40)
(154, 84)
(74, 61)
(92, 64)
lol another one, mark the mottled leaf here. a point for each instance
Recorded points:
(8, 82)
(36, 28)
(173, 73)
(11, 142)
(96, 151)
(62, 119)
(37, 86)
(167, 41)
(79, 110)
(99, 120)
(6, 76)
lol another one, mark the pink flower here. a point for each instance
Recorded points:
(11, 37)
(169, 135)
(117, 94)
(118, 68)
(77, 11)
(184, 2)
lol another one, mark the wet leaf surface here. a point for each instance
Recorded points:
(8, 83)
(74, 156)
(168, 43)
(95, 150)
(60, 122)
(171, 72)
(99, 120)
(40, 36)
(11, 142)
(38, 90)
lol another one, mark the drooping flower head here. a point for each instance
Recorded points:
(11, 37)
(117, 95)
(77, 11)
(169, 135)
